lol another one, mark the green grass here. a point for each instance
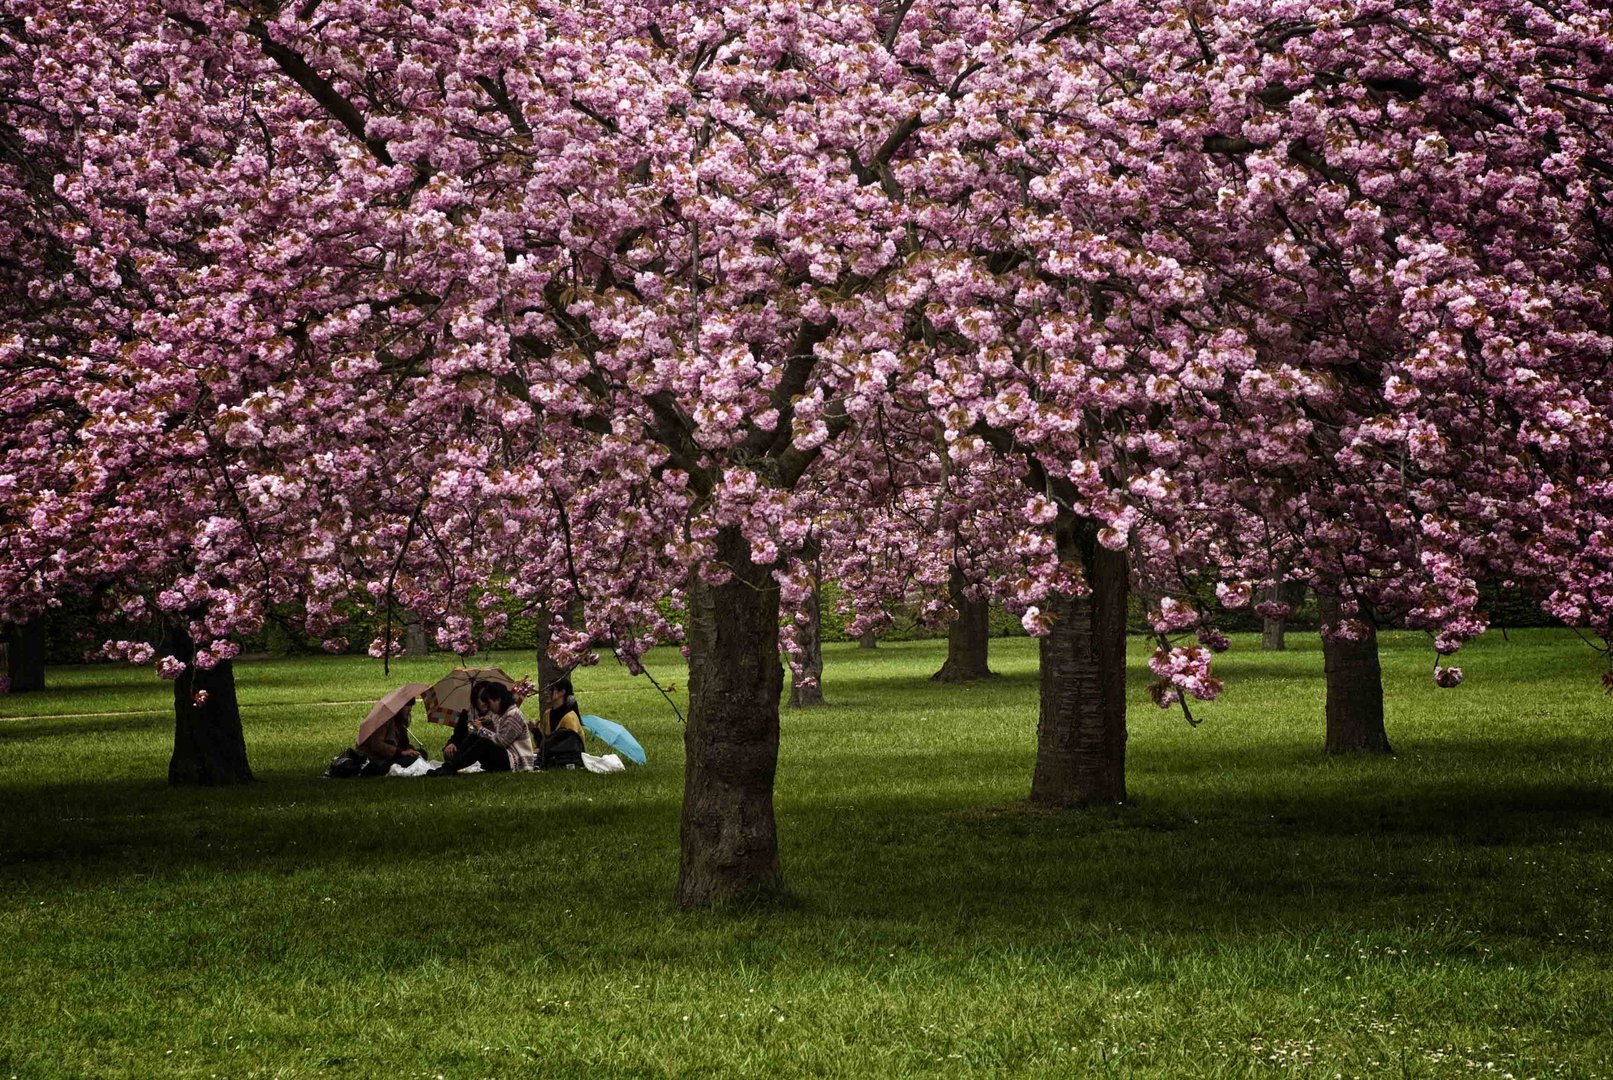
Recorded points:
(1259, 910)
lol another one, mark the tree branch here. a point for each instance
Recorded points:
(320, 89)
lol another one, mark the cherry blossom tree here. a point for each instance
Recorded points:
(170, 446)
(593, 302)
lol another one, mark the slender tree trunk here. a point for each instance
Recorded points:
(209, 746)
(869, 640)
(25, 655)
(414, 638)
(549, 672)
(1292, 593)
(729, 838)
(1081, 739)
(811, 638)
(1272, 636)
(968, 638)
(1354, 690)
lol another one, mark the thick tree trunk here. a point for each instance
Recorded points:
(25, 656)
(811, 638)
(1354, 690)
(968, 638)
(209, 746)
(1081, 739)
(870, 640)
(729, 839)
(415, 642)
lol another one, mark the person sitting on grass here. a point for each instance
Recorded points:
(500, 743)
(560, 729)
(389, 745)
(480, 710)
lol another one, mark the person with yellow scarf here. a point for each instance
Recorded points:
(558, 731)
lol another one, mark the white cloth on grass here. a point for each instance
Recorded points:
(416, 768)
(606, 763)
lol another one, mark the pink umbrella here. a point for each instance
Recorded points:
(387, 708)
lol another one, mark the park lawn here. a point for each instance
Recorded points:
(1259, 908)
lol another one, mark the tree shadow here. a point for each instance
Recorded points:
(1336, 849)
(38, 729)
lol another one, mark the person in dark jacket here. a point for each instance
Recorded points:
(559, 729)
(501, 743)
(481, 711)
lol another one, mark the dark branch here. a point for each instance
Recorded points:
(320, 89)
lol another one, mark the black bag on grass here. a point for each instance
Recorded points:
(348, 765)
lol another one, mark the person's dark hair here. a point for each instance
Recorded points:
(562, 684)
(500, 696)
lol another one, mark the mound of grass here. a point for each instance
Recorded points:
(1259, 909)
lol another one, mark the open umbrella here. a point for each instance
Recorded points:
(616, 737)
(449, 695)
(388, 707)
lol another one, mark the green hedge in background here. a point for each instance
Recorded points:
(74, 629)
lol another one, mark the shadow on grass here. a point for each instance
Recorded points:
(852, 685)
(45, 728)
(1338, 850)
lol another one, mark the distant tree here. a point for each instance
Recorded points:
(25, 655)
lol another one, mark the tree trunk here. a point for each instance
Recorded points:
(1272, 637)
(1081, 739)
(811, 638)
(1272, 634)
(415, 642)
(1354, 689)
(729, 838)
(549, 672)
(968, 637)
(25, 655)
(209, 746)
(869, 640)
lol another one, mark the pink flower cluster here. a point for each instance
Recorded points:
(552, 304)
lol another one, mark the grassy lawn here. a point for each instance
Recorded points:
(1259, 910)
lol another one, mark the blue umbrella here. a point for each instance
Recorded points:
(616, 737)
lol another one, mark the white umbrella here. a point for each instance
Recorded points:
(450, 695)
